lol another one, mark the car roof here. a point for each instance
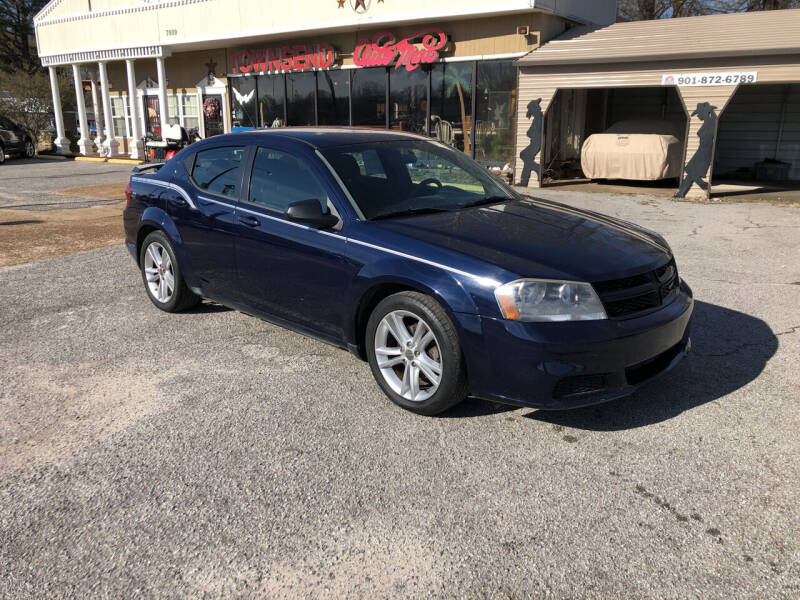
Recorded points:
(319, 137)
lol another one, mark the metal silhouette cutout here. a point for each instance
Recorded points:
(697, 167)
(528, 154)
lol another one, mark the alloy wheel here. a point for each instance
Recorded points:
(29, 149)
(408, 355)
(159, 272)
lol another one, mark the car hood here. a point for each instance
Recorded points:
(539, 238)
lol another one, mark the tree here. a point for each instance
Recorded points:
(643, 10)
(28, 101)
(17, 46)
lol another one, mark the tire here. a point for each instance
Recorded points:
(391, 358)
(2, 154)
(157, 247)
(30, 149)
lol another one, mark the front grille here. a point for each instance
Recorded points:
(579, 384)
(649, 368)
(630, 296)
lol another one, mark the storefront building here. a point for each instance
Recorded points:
(445, 70)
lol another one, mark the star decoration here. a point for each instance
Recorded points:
(341, 3)
(211, 66)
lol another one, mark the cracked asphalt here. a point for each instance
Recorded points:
(212, 455)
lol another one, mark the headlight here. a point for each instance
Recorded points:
(549, 300)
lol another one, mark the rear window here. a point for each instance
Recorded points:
(217, 170)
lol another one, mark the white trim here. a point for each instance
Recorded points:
(487, 281)
(146, 5)
(483, 57)
(95, 55)
(166, 185)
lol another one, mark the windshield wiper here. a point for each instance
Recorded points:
(411, 211)
(486, 200)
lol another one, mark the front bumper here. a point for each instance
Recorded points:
(573, 364)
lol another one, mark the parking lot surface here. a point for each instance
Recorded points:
(50, 208)
(210, 454)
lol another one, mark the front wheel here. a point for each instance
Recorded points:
(2, 154)
(30, 149)
(414, 353)
(162, 275)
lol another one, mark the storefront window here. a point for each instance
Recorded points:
(369, 97)
(270, 100)
(243, 101)
(495, 109)
(451, 104)
(300, 93)
(408, 99)
(172, 104)
(118, 114)
(190, 111)
(333, 97)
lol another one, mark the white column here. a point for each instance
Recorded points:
(99, 123)
(85, 143)
(163, 107)
(61, 141)
(137, 148)
(111, 144)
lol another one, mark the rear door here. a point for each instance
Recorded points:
(288, 270)
(202, 203)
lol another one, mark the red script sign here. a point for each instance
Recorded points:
(382, 50)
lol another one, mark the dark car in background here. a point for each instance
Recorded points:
(413, 257)
(14, 140)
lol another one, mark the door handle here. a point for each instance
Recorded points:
(249, 221)
(178, 201)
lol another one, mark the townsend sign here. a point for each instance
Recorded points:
(286, 58)
(383, 50)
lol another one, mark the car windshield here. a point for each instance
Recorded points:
(402, 177)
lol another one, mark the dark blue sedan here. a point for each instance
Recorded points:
(413, 257)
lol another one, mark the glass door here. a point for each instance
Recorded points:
(152, 116)
(212, 115)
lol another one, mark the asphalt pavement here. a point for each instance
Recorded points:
(213, 455)
(31, 184)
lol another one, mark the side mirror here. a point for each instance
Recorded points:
(309, 212)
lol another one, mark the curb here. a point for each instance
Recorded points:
(54, 157)
(116, 161)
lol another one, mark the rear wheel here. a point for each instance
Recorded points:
(414, 353)
(162, 275)
(30, 149)
(2, 154)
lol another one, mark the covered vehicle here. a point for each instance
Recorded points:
(641, 150)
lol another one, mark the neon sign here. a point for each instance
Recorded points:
(382, 50)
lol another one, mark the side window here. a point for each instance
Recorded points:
(279, 179)
(217, 170)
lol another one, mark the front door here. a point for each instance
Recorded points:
(212, 115)
(286, 270)
(152, 116)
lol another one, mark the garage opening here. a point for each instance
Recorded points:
(758, 140)
(629, 135)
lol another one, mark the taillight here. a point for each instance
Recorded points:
(127, 194)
